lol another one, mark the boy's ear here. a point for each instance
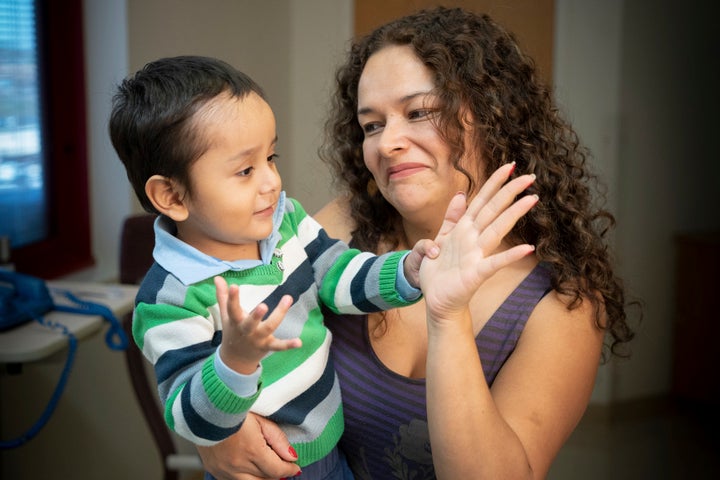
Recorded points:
(167, 197)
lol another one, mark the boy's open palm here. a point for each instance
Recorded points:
(246, 337)
(467, 239)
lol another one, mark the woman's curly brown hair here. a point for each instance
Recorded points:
(478, 67)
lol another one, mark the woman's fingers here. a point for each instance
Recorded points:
(493, 202)
(496, 199)
(492, 234)
(259, 450)
(502, 259)
(501, 201)
(454, 212)
(491, 186)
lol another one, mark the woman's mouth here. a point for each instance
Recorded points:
(404, 170)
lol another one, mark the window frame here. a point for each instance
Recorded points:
(61, 61)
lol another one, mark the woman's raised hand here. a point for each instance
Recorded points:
(469, 239)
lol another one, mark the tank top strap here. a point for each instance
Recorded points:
(499, 337)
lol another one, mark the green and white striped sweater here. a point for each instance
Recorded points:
(178, 328)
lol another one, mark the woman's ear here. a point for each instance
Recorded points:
(167, 197)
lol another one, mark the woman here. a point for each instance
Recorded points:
(426, 106)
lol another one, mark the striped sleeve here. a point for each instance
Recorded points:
(177, 333)
(349, 281)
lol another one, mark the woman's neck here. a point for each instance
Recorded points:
(412, 232)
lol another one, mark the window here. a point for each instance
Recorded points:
(43, 167)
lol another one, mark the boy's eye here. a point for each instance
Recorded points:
(245, 172)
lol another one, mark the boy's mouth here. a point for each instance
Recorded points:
(266, 211)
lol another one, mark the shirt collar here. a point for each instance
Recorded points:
(190, 265)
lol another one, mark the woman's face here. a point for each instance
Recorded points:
(402, 149)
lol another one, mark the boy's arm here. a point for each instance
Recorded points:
(179, 342)
(178, 336)
(360, 282)
(350, 281)
(411, 263)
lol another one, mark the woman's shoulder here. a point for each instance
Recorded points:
(335, 218)
(561, 316)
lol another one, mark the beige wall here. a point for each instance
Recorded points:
(531, 21)
(288, 47)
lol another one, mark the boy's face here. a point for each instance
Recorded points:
(235, 183)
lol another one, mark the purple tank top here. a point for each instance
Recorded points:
(386, 432)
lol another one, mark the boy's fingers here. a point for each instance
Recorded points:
(427, 248)
(274, 320)
(278, 345)
(221, 294)
(277, 315)
(249, 323)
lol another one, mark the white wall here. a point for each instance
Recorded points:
(635, 77)
(105, 30)
(669, 174)
(587, 87)
(317, 45)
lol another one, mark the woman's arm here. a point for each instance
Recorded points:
(259, 450)
(515, 430)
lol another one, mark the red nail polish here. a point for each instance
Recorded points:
(292, 451)
(299, 473)
(512, 169)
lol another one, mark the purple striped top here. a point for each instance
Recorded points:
(386, 433)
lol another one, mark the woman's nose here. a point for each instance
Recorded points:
(393, 137)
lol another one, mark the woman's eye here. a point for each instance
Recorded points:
(273, 157)
(419, 114)
(370, 128)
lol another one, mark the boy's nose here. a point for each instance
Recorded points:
(271, 180)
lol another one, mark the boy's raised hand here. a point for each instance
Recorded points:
(246, 338)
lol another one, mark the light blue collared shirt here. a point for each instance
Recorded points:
(190, 265)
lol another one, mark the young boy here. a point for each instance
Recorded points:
(198, 139)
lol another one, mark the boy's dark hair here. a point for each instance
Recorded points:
(151, 123)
